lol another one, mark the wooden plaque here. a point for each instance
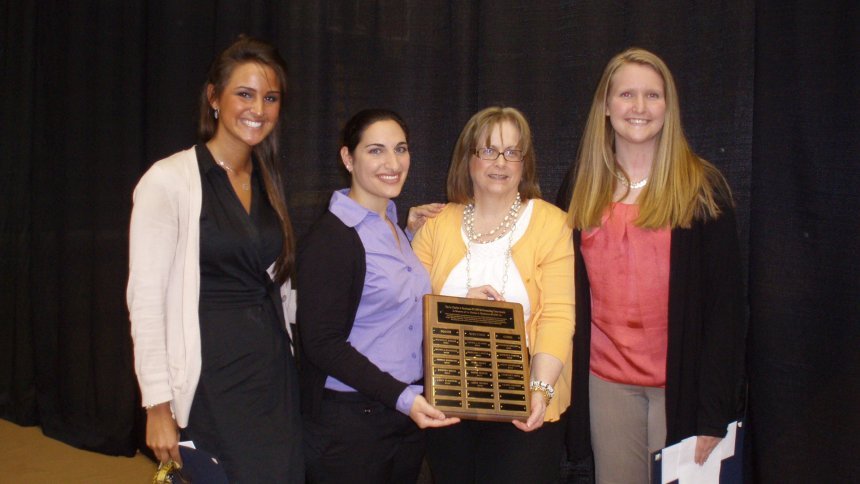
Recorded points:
(476, 362)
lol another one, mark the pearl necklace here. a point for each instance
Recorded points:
(501, 229)
(633, 186)
(507, 261)
(245, 185)
(509, 224)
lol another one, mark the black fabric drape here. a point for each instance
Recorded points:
(805, 223)
(95, 92)
(70, 130)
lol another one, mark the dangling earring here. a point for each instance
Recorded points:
(216, 113)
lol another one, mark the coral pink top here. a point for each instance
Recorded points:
(628, 268)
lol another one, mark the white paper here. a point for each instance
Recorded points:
(670, 456)
(678, 461)
(691, 473)
(728, 442)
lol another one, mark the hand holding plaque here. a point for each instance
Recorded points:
(476, 363)
(426, 416)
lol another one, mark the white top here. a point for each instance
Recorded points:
(488, 266)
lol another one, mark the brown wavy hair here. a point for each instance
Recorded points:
(460, 186)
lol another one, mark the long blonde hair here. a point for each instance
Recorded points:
(681, 187)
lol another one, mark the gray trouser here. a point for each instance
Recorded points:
(628, 422)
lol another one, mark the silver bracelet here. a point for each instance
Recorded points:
(543, 387)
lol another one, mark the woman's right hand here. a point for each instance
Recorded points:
(419, 214)
(425, 415)
(162, 433)
(484, 292)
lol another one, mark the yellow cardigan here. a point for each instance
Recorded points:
(544, 258)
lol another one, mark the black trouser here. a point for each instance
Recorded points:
(358, 440)
(497, 452)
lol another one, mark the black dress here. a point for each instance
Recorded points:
(246, 407)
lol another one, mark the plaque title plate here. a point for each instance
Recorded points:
(476, 363)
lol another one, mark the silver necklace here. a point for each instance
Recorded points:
(245, 185)
(507, 261)
(633, 186)
(509, 224)
(501, 229)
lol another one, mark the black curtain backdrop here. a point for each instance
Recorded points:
(804, 289)
(94, 92)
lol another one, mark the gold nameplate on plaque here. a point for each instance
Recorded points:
(476, 363)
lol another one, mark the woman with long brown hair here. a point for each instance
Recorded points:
(211, 254)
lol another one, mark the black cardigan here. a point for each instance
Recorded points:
(705, 384)
(330, 277)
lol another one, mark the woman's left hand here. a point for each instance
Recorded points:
(535, 420)
(418, 215)
(705, 444)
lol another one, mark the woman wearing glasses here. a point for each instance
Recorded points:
(498, 240)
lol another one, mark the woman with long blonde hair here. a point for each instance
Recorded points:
(659, 346)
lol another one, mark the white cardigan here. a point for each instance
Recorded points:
(164, 283)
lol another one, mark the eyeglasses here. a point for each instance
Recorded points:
(492, 154)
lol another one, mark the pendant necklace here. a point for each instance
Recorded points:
(245, 185)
